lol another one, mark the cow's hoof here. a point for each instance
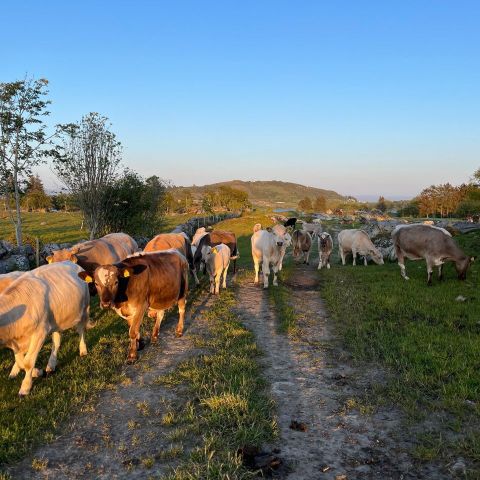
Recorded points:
(49, 371)
(131, 360)
(153, 339)
(22, 394)
(141, 344)
(179, 334)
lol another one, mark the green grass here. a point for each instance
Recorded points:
(57, 227)
(427, 340)
(228, 406)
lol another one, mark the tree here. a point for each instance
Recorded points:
(381, 204)
(305, 204)
(88, 163)
(35, 197)
(23, 139)
(132, 205)
(320, 204)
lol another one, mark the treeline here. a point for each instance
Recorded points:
(222, 199)
(318, 204)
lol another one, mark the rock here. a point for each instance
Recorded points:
(21, 262)
(461, 298)
(5, 248)
(459, 467)
(141, 241)
(462, 227)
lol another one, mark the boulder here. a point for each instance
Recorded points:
(6, 248)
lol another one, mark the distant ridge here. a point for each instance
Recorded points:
(271, 192)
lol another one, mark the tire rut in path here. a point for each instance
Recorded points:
(311, 379)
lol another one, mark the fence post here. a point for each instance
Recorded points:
(37, 251)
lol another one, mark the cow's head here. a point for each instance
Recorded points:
(281, 235)
(323, 240)
(63, 255)
(106, 279)
(376, 256)
(461, 266)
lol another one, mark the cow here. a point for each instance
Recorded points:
(281, 231)
(213, 238)
(314, 229)
(178, 241)
(325, 247)
(6, 279)
(357, 242)
(200, 232)
(47, 300)
(434, 244)
(291, 222)
(302, 244)
(217, 261)
(268, 248)
(155, 281)
(111, 248)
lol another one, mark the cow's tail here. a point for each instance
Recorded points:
(257, 227)
(183, 282)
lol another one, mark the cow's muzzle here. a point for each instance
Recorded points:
(105, 305)
(280, 244)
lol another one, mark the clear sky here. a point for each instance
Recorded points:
(364, 97)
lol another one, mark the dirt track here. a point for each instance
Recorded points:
(312, 381)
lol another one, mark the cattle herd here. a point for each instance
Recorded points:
(56, 296)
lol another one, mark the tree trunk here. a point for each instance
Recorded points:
(18, 220)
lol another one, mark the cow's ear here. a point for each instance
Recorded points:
(472, 259)
(269, 229)
(85, 276)
(214, 250)
(49, 259)
(73, 258)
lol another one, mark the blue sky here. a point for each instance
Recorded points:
(379, 97)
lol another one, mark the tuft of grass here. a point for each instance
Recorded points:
(230, 407)
(429, 341)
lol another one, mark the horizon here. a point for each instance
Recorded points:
(365, 100)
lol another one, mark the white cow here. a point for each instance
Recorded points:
(201, 232)
(357, 242)
(325, 247)
(268, 248)
(50, 299)
(217, 261)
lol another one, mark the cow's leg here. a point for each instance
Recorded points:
(225, 276)
(36, 342)
(218, 276)
(212, 283)
(365, 262)
(354, 253)
(266, 273)
(328, 262)
(401, 264)
(18, 365)
(156, 327)
(182, 303)
(430, 265)
(342, 254)
(308, 256)
(134, 333)
(320, 262)
(81, 327)
(275, 270)
(194, 273)
(256, 265)
(52, 361)
(440, 272)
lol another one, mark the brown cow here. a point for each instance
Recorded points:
(157, 281)
(302, 244)
(434, 244)
(111, 248)
(178, 241)
(214, 238)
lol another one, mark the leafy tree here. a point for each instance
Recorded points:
(320, 204)
(305, 204)
(208, 202)
(24, 142)
(63, 201)
(88, 163)
(381, 204)
(35, 197)
(132, 205)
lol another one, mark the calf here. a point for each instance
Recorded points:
(47, 300)
(357, 242)
(268, 248)
(325, 247)
(434, 244)
(217, 260)
(155, 281)
(214, 238)
(302, 244)
(178, 241)
(314, 229)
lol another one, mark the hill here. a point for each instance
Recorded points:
(270, 193)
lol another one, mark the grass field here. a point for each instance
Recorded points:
(429, 341)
